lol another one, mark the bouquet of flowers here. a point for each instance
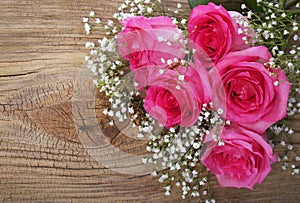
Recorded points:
(203, 86)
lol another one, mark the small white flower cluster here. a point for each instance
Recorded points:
(92, 23)
(103, 58)
(177, 10)
(123, 108)
(293, 168)
(113, 81)
(279, 129)
(245, 28)
(145, 128)
(172, 38)
(179, 149)
(279, 31)
(293, 106)
(289, 150)
(86, 21)
(134, 8)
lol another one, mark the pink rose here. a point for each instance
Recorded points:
(162, 105)
(173, 99)
(211, 28)
(242, 162)
(250, 95)
(145, 41)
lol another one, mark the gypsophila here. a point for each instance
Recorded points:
(177, 150)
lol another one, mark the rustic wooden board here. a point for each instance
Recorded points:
(43, 156)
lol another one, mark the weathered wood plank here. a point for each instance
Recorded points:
(42, 158)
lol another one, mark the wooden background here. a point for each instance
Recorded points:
(42, 158)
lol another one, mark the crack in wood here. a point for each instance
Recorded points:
(18, 75)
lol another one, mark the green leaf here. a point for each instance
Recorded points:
(290, 4)
(194, 3)
(253, 5)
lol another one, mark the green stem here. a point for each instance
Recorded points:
(163, 7)
(294, 12)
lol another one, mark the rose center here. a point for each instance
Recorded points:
(170, 101)
(243, 90)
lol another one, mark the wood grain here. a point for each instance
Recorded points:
(43, 157)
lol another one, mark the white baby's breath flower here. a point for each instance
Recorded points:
(97, 20)
(87, 28)
(85, 19)
(220, 111)
(92, 14)
(181, 77)
(295, 171)
(174, 21)
(285, 32)
(290, 147)
(172, 130)
(149, 10)
(89, 44)
(111, 123)
(183, 21)
(273, 15)
(196, 145)
(292, 52)
(221, 143)
(240, 31)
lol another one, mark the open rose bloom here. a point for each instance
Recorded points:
(243, 161)
(252, 96)
(171, 100)
(224, 70)
(144, 41)
(212, 28)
